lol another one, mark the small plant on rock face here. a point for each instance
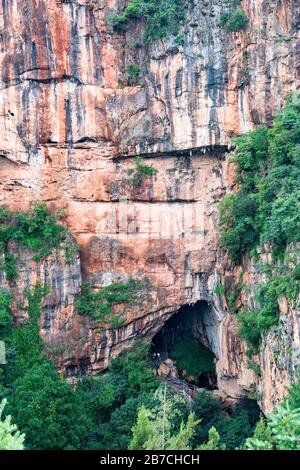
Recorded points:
(117, 23)
(220, 289)
(9, 266)
(141, 171)
(117, 322)
(36, 229)
(133, 73)
(235, 19)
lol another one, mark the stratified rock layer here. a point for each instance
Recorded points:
(68, 118)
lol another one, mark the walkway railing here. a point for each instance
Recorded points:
(183, 388)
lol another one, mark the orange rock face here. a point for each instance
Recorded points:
(70, 123)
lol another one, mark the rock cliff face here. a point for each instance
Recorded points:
(69, 127)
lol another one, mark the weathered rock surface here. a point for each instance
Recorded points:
(68, 118)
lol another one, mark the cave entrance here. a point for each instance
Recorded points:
(181, 347)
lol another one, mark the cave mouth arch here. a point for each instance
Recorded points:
(185, 340)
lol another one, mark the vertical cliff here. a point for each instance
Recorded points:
(71, 121)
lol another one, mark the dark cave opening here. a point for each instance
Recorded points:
(183, 339)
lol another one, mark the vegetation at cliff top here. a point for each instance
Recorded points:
(161, 17)
(36, 229)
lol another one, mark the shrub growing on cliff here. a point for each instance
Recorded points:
(253, 323)
(24, 342)
(36, 229)
(162, 17)
(99, 305)
(133, 73)
(5, 312)
(267, 206)
(235, 20)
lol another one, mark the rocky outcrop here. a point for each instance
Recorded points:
(62, 278)
(69, 124)
(277, 364)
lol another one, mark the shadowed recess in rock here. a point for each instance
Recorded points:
(183, 340)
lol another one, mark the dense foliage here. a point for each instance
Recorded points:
(281, 429)
(46, 408)
(266, 210)
(267, 206)
(233, 428)
(41, 404)
(99, 304)
(253, 323)
(36, 229)
(162, 17)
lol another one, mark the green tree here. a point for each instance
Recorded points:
(142, 431)
(115, 397)
(48, 411)
(154, 431)
(262, 438)
(280, 431)
(213, 441)
(182, 440)
(284, 423)
(10, 436)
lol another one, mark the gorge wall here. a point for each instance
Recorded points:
(70, 125)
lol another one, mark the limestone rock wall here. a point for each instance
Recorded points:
(69, 123)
